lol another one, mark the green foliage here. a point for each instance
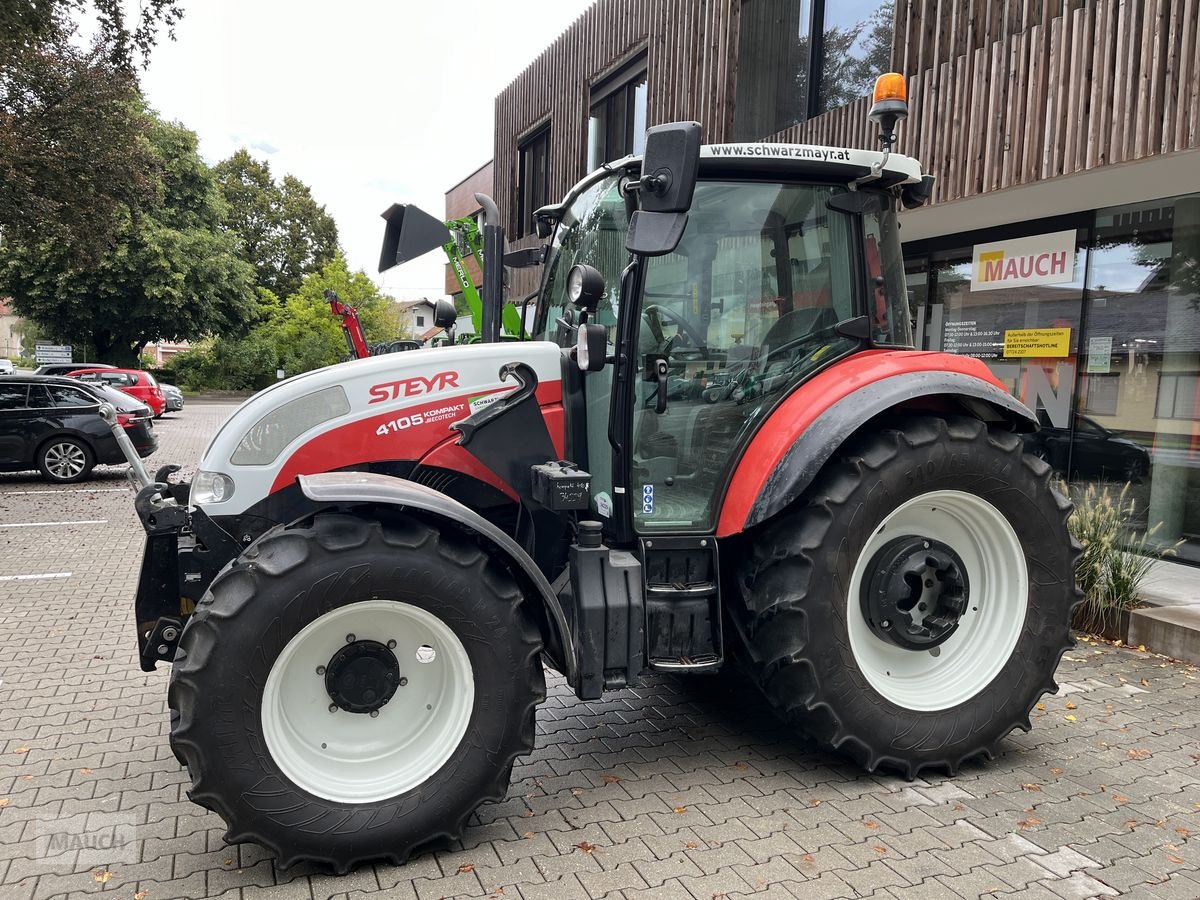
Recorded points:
(1115, 560)
(297, 335)
(171, 273)
(72, 139)
(284, 232)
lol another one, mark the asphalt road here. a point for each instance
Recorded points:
(679, 788)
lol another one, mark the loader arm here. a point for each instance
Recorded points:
(356, 339)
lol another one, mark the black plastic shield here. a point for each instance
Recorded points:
(410, 232)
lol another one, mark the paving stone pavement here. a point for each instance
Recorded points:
(677, 789)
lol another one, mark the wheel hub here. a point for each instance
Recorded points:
(362, 676)
(917, 592)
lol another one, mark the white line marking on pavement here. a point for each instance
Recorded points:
(49, 524)
(35, 577)
(67, 491)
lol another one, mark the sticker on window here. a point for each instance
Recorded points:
(604, 505)
(648, 499)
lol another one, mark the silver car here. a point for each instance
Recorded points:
(174, 397)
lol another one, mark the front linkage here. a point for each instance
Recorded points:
(184, 551)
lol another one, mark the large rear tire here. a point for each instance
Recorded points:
(353, 690)
(912, 608)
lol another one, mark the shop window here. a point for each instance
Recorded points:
(800, 58)
(533, 178)
(617, 120)
(1177, 395)
(1144, 302)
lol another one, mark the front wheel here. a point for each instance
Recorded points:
(354, 689)
(65, 460)
(914, 609)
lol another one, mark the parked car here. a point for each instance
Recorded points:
(174, 396)
(134, 382)
(1098, 453)
(7, 367)
(66, 368)
(54, 425)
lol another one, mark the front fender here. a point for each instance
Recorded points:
(805, 431)
(367, 487)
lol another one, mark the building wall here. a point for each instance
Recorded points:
(10, 341)
(460, 202)
(1001, 93)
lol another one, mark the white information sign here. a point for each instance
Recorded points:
(46, 354)
(1021, 262)
(1099, 360)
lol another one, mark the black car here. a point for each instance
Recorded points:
(53, 424)
(67, 368)
(1094, 451)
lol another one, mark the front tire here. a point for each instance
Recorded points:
(355, 689)
(951, 517)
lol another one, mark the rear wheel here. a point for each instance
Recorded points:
(65, 460)
(913, 610)
(355, 689)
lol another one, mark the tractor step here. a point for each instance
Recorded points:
(683, 604)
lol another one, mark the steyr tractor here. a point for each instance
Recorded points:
(718, 445)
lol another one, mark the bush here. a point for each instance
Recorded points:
(224, 364)
(1116, 558)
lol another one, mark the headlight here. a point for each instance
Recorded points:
(210, 487)
(267, 438)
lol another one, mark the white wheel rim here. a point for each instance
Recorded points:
(966, 662)
(356, 757)
(65, 460)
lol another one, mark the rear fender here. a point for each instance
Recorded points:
(365, 487)
(808, 428)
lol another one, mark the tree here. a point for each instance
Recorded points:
(284, 232)
(171, 273)
(303, 333)
(72, 144)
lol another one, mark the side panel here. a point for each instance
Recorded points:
(807, 428)
(394, 408)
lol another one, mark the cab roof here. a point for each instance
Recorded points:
(787, 162)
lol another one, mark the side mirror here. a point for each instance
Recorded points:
(669, 170)
(410, 232)
(591, 347)
(444, 314)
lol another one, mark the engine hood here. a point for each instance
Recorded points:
(383, 408)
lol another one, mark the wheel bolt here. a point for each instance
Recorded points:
(169, 634)
(391, 645)
(320, 670)
(333, 707)
(403, 682)
(349, 639)
(374, 714)
(925, 544)
(886, 623)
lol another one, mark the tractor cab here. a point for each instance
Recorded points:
(784, 266)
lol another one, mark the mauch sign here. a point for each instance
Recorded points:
(1041, 259)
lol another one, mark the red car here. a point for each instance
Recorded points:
(134, 382)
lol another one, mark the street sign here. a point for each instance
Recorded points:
(53, 353)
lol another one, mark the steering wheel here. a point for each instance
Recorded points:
(678, 321)
(790, 347)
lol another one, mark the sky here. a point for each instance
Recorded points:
(369, 102)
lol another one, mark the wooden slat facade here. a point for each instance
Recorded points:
(1017, 90)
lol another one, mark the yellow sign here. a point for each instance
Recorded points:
(1037, 342)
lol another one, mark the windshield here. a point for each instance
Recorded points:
(592, 231)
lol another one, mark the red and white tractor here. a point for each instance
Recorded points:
(718, 446)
